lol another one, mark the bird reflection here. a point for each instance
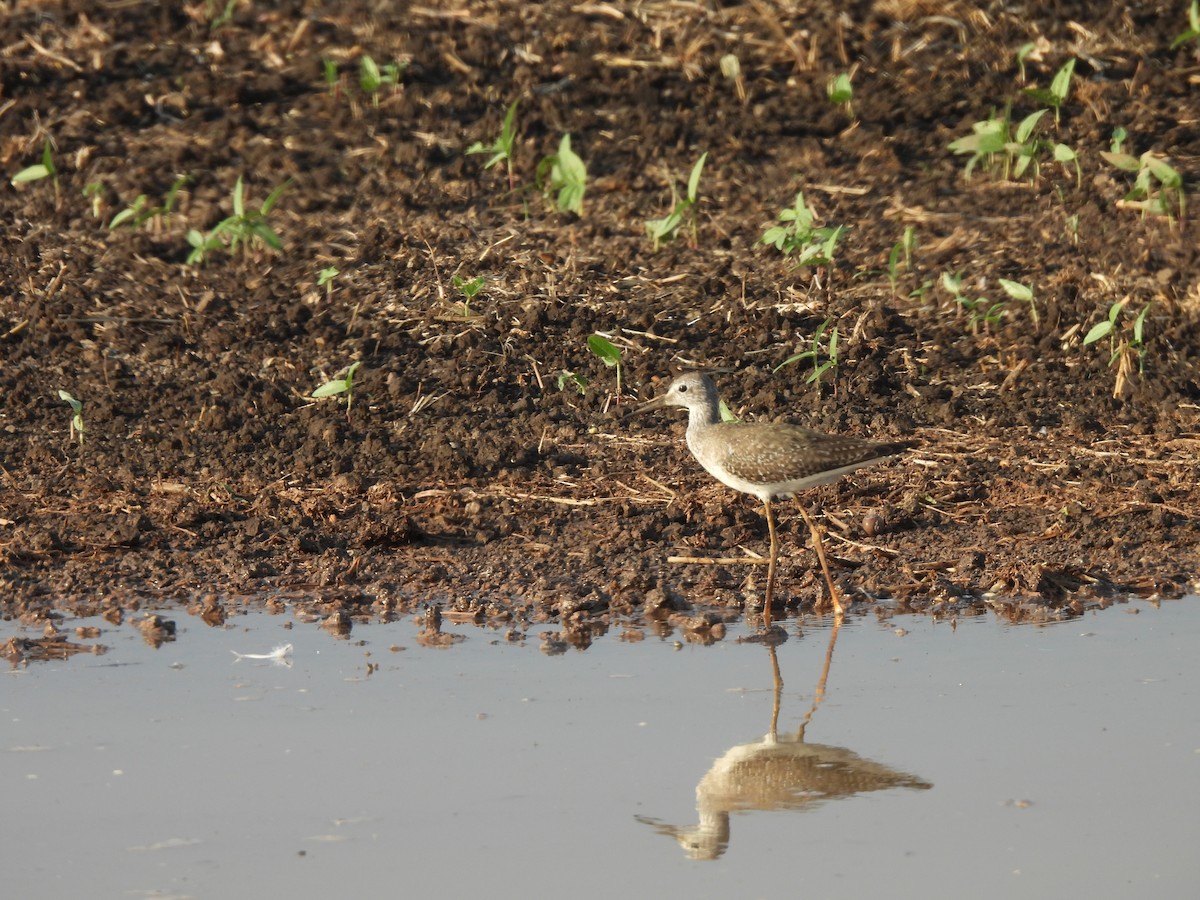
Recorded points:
(779, 772)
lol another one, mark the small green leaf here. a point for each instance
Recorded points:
(604, 349)
(1139, 324)
(840, 90)
(694, 181)
(1098, 331)
(33, 173)
(75, 405)
(239, 205)
(1064, 154)
(1026, 126)
(566, 377)
(1016, 290)
(468, 288)
(1060, 87)
(1162, 171)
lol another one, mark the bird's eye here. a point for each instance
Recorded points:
(683, 389)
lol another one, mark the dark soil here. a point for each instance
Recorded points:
(464, 474)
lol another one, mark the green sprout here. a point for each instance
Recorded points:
(980, 310)
(609, 354)
(1117, 142)
(815, 352)
(1073, 227)
(325, 279)
(329, 68)
(1157, 187)
(339, 387)
(139, 212)
(1023, 51)
(1122, 351)
(94, 191)
(1024, 293)
(1060, 89)
(223, 18)
(1193, 30)
(502, 147)
(1017, 150)
(372, 77)
(564, 175)
(662, 230)
(905, 247)
(77, 429)
(841, 91)
(44, 169)
(468, 289)
(566, 377)
(245, 228)
(815, 245)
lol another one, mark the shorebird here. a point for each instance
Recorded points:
(767, 460)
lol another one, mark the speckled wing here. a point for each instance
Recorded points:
(793, 457)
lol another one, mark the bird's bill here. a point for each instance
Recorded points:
(649, 406)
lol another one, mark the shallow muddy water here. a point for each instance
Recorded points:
(1049, 761)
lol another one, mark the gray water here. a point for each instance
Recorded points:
(984, 760)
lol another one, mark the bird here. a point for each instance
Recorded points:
(767, 460)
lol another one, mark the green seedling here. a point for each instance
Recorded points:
(1073, 228)
(1023, 51)
(1024, 293)
(468, 289)
(980, 311)
(245, 228)
(815, 245)
(820, 366)
(1060, 89)
(1123, 350)
(905, 247)
(1157, 186)
(333, 78)
(566, 377)
(1067, 157)
(994, 143)
(662, 230)
(725, 412)
(893, 267)
(564, 175)
(44, 169)
(609, 354)
(77, 429)
(1192, 32)
(325, 280)
(841, 92)
(339, 387)
(224, 17)
(910, 245)
(94, 191)
(1117, 143)
(140, 212)
(373, 77)
(918, 293)
(502, 147)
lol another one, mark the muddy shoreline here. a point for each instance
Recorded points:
(469, 472)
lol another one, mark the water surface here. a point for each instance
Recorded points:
(1001, 760)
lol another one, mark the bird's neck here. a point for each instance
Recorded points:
(701, 417)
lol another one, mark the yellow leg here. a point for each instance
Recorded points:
(770, 565)
(819, 546)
